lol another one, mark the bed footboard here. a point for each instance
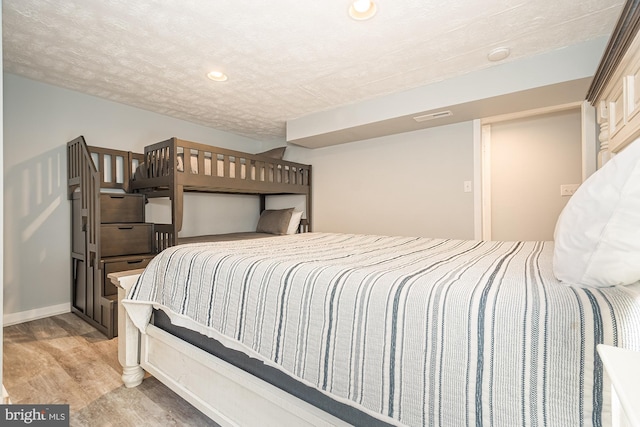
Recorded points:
(128, 334)
(208, 383)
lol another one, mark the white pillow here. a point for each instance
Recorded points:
(597, 236)
(296, 216)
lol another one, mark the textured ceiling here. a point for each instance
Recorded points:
(284, 59)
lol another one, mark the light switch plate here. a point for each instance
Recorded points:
(568, 189)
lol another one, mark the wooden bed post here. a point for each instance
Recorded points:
(177, 201)
(263, 202)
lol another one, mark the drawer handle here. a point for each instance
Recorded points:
(125, 227)
(117, 197)
(138, 261)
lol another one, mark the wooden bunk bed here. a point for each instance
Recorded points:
(172, 167)
(109, 189)
(520, 349)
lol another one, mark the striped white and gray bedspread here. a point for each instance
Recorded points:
(420, 331)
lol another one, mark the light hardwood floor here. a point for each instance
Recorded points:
(62, 359)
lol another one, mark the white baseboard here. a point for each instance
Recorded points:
(36, 313)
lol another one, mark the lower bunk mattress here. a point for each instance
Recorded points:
(409, 331)
(227, 237)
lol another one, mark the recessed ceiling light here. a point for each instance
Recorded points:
(498, 54)
(362, 9)
(217, 76)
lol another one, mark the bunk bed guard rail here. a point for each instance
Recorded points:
(200, 167)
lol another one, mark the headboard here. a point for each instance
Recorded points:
(615, 89)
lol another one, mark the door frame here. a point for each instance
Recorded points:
(482, 156)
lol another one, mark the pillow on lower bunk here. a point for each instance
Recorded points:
(597, 236)
(274, 153)
(296, 216)
(274, 221)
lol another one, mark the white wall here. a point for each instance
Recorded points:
(209, 213)
(405, 184)
(530, 159)
(39, 119)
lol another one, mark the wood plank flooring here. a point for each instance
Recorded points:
(62, 359)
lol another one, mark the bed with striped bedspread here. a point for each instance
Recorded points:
(415, 331)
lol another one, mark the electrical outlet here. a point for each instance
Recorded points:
(568, 189)
(467, 186)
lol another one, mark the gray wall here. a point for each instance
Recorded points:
(38, 121)
(407, 184)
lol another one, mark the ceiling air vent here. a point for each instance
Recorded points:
(432, 116)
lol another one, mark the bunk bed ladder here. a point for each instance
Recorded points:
(166, 235)
(158, 158)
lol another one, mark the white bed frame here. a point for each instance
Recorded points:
(226, 394)
(232, 397)
(615, 92)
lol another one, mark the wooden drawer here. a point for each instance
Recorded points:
(125, 239)
(116, 207)
(115, 264)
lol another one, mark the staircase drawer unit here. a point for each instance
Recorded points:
(108, 229)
